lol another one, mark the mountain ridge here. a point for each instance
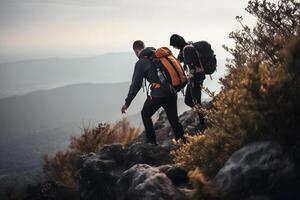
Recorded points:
(63, 58)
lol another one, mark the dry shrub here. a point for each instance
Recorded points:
(203, 188)
(61, 167)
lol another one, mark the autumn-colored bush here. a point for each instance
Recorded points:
(260, 96)
(61, 167)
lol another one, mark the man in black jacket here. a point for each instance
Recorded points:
(188, 55)
(159, 97)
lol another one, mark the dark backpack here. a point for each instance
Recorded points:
(206, 56)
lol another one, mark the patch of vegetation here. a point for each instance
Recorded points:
(61, 167)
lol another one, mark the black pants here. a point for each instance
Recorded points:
(193, 96)
(169, 104)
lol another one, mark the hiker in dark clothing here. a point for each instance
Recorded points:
(188, 55)
(159, 97)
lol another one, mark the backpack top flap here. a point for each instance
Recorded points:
(162, 52)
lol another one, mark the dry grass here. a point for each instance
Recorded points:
(61, 167)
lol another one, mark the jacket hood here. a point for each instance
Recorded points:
(147, 52)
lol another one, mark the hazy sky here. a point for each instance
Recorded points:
(32, 29)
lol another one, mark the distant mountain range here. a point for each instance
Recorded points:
(26, 76)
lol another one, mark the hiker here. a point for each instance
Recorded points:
(195, 72)
(159, 96)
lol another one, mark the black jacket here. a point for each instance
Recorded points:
(144, 69)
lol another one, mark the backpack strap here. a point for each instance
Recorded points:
(145, 86)
(199, 56)
(201, 67)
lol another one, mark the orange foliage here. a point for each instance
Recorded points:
(61, 167)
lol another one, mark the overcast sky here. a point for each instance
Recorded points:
(31, 29)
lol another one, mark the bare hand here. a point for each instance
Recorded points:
(123, 109)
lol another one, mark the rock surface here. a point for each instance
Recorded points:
(145, 182)
(140, 171)
(259, 171)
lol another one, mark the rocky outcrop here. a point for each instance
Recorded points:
(145, 182)
(140, 171)
(259, 171)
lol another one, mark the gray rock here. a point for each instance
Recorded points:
(143, 182)
(177, 175)
(113, 152)
(96, 178)
(146, 153)
(258, 171)
(98, 173)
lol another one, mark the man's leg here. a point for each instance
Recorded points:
(149, 108)
(193, 96)
(170, 106)
(197, 91)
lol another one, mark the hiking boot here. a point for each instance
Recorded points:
(183, 138)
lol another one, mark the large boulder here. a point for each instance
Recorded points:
(259, 171)
(96, 177)
(100, 175)
(143, 182)
(145, 153)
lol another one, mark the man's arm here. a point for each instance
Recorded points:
(136, 83)
(180, 56)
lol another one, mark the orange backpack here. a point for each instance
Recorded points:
(169, 69)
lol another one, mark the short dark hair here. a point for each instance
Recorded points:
(138, 44)
(177, 41)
